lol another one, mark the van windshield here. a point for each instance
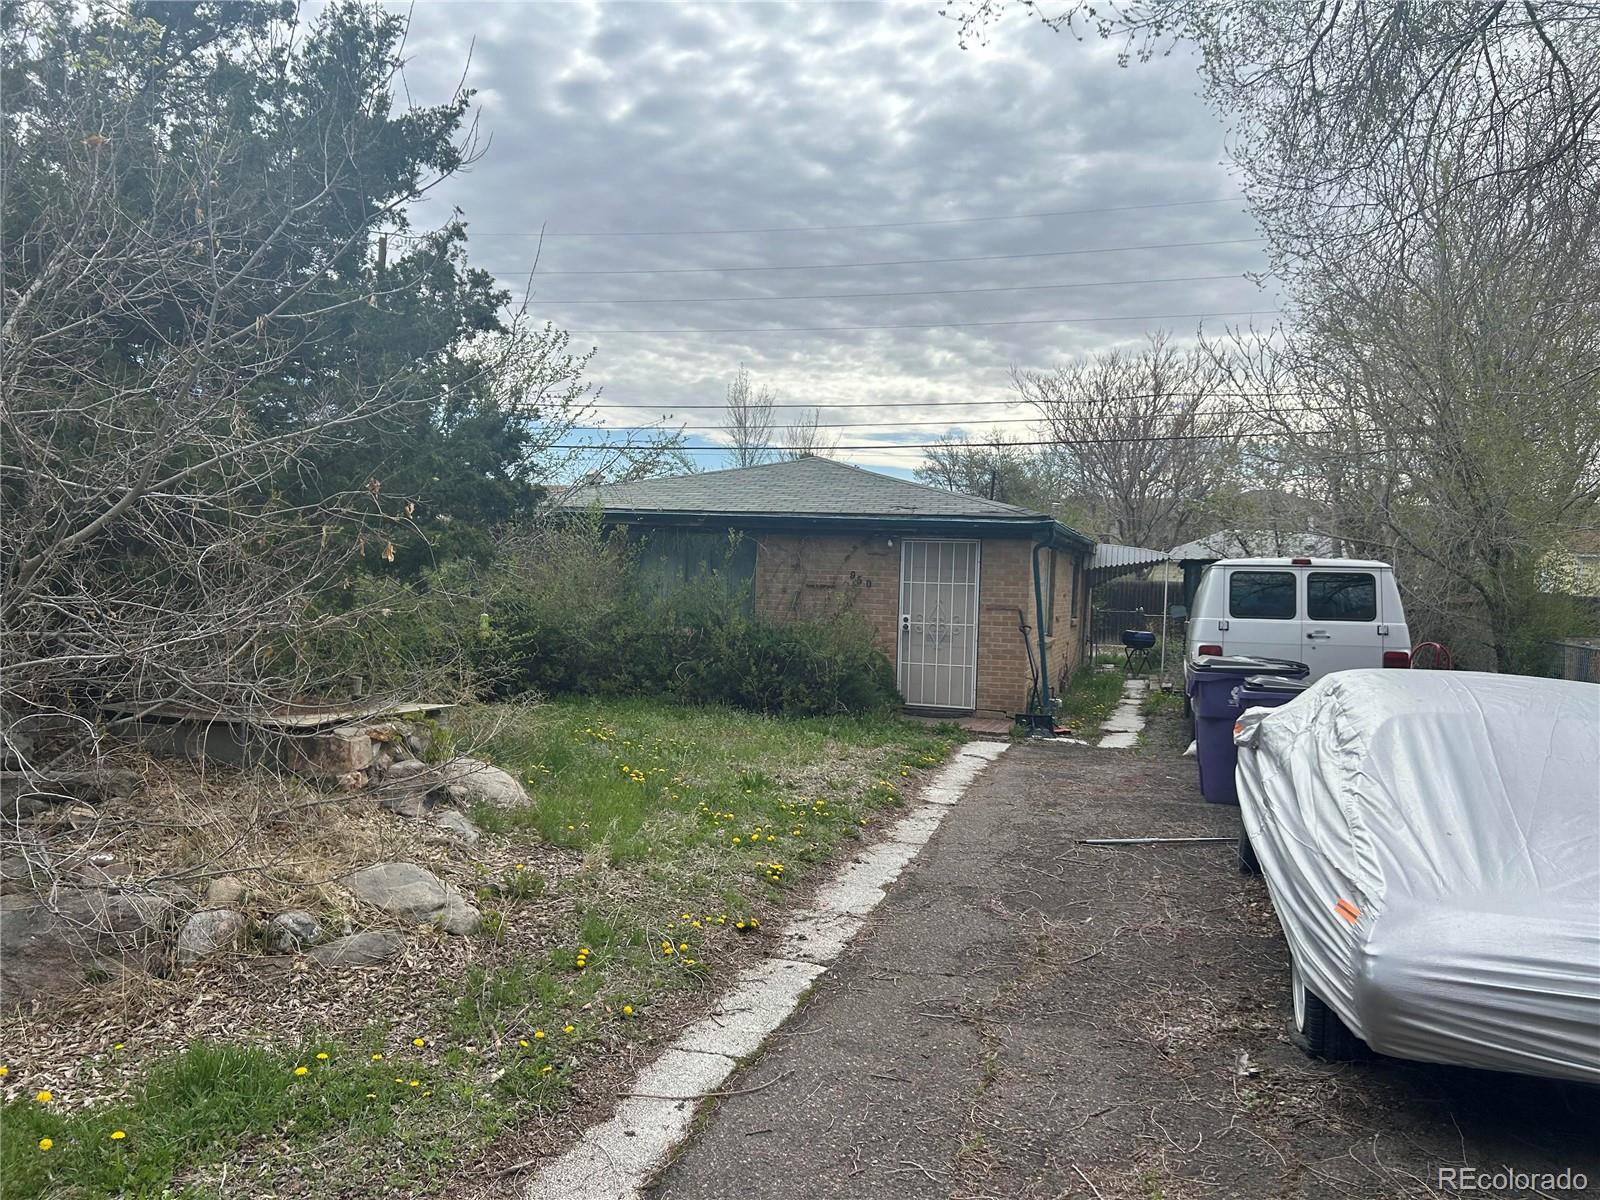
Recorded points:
(1263, 595)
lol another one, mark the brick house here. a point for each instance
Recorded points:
(952, 586)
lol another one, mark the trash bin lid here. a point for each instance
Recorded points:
(1275, 683)
(1246, 664)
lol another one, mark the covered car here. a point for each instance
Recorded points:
(1431, 842)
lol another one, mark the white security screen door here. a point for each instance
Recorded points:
(939, 624)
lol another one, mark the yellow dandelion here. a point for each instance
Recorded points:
(322, 1056)
(546, 1069)
(301, 1070)
(538, 1035)
(117, 1135)
(372, 1095)
(45, 1143)
(684, 947)
(569, 1029)
(627, 1010)
(419, 1042)
(377, 1058)
(44, 1097)
(4, 1071)
(523, 1042)
(413, 1083)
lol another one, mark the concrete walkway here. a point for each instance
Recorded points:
(1126, 722)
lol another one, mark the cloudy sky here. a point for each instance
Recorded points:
(727, 183)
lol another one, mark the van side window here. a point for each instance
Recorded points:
(1341, 596)
(1265, 595)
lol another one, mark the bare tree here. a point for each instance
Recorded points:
(999, 469)
(749, 420)
(805, 437)
(1146, 433)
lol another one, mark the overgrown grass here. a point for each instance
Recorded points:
(694, 825)
(1094, 692)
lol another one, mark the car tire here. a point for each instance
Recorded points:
(1249, 864)
(1317, 1028)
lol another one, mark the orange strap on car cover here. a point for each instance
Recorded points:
(1347, 910)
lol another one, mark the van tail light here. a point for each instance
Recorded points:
(1210, 650)
(1396, 658)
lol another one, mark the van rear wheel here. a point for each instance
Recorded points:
(1317, 1028)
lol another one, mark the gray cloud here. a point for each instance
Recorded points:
(640, 117)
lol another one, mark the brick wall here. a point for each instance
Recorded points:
(800, 577)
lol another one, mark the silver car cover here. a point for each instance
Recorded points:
(1431, 841)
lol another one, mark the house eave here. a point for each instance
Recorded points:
(1039, 528)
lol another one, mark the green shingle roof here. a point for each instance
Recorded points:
(797, 489)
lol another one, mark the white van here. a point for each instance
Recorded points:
(1333, 614)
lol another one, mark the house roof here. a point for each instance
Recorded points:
(813, 491)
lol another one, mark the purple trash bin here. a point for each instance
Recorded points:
(1215, 686)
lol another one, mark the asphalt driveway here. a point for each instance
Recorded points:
(1028, 1017)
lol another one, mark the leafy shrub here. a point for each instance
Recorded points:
(562, 609)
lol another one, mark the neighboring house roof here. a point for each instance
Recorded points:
(810, 492)
(1239, 543)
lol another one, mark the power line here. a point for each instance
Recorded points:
(1032, 287)
(1292, 410)
(1253, 312)
(896, 262)
(967, 403)
(1028, 216)
(999, 445)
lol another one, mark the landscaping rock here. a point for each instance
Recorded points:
(208, 932)
(458, 826)
(24, 795)
(358, 950)
(414, 894)
(468, 781)
(52, 947)
(225, 891)
(405, 787)
(329, 753)
(291, 932)
(404, 801)
(418, 739)
(25, 864)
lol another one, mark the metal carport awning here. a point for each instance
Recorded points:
(1111, 561)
